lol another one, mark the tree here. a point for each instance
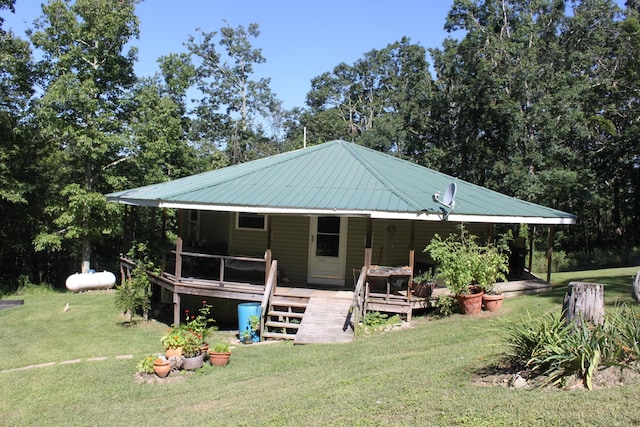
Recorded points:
(234, 108)
(85, 77)
(19, 155)
(381, 101)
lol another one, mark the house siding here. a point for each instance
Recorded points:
(252, 243)
(290, 246)
(391, 241)
(214, 231)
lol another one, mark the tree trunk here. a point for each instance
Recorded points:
(584, 302)
(635, 291)
(86, 255)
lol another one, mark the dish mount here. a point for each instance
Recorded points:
(448, 201)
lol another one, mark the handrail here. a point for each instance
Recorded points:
(223, 261)
(356, 308)
(269, 290)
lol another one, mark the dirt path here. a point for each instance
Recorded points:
(68, 362)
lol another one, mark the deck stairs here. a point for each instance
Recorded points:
(284, 317)
(314, 318)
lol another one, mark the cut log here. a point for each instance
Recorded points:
(584, 302)
(635, 291)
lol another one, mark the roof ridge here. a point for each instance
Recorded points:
(377, 175)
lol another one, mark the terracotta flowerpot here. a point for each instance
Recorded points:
(170, 352)
(192, 363)
(161, 368)
(204, 348)
(470, 303)
(492, 302)
(218, 359)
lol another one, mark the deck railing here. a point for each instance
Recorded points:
(190, 265)
(269, 291)
(357, 304)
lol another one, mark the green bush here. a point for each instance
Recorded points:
(446, 305)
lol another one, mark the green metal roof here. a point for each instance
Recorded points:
(342, 178)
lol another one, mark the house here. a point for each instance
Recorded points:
(322, 213)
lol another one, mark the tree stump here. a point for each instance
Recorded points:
(584, 302)
(635, 291)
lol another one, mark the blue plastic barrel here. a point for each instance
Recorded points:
(245, 311)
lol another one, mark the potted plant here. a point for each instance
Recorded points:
(220, 353)
(254, 324)
(423, 284)
(246, 337)
(192, 356)
(492, 266)
(161, 366)
(173, 341)
(200, 325)
(467, 268)
(145, 365)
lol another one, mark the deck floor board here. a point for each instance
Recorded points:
(323, 321)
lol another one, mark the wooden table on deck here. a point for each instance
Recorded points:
(389, 274)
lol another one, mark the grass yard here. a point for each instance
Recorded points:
(417, 376)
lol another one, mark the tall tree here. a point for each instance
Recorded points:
(86, 73)
(381, 101)
(19, 155)
(235, 106)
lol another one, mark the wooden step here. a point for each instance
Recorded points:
(278, 313)
(278, 336)
(280, 325)
(285, 301)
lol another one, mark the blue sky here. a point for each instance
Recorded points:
(300, 39)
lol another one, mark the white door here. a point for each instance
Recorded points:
(327, 250)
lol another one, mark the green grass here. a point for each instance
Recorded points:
(417, 376)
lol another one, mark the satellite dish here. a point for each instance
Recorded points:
(448, 200)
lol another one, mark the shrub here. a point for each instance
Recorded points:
(446, 305)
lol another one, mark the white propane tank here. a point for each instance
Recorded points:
(89, 281)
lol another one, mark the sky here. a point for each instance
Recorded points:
(300, 39)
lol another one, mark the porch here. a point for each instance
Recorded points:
(303, 314)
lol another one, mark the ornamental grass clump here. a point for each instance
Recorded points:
(554, 351)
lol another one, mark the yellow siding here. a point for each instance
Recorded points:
(246, 242)
(355, 247)
(290, 246)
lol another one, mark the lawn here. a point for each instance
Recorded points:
(417, 376)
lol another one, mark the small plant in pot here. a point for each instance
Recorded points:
(173, 340)
(200, 324)
(492, 266)
(219, 354)
(192, 357)
(423, 284)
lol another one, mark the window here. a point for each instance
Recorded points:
(251, 221)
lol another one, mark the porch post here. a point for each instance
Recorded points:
(550, 252)
(531, 230)
(178, 271)
(176, 309)
(367, 242)
(267, 267)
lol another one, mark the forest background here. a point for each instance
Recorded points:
(537, 99)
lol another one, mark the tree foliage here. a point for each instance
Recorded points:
(537, 99)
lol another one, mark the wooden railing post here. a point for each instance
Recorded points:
(176, 309)
(267, 267)
(178, 259)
